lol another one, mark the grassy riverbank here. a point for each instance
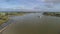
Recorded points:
(3, 19)
(16, 14)
(52, 14)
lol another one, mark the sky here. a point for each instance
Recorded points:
(41, 5)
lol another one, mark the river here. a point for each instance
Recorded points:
(33, 23)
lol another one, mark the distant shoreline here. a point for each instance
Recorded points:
(57, 14)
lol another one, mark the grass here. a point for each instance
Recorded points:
(3, 19)
(16, 14)
(52, 14)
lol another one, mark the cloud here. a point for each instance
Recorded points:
(30, 4)
(53, 1)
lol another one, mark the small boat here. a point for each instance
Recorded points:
(40, 16)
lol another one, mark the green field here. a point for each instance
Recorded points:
(3, 19)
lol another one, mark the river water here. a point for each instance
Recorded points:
(33, 23)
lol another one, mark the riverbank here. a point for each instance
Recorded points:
(3, 19)
(57, 14)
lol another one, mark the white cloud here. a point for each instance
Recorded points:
(31, 4)
(53, 1)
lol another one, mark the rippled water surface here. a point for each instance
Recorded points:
(34, 23)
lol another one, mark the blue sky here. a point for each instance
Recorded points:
(42, 5)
